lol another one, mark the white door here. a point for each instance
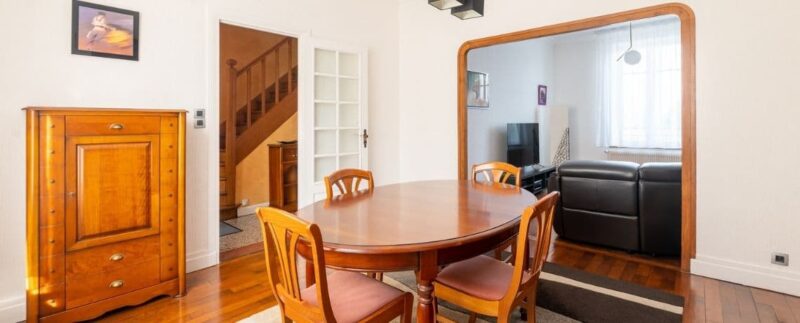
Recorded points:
(332, 113)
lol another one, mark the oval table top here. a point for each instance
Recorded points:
(416, 216)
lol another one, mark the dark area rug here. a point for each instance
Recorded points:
(226, 229)
(590, 298)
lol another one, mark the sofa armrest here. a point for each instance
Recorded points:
(660, 208)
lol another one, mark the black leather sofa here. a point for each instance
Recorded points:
(620, 204)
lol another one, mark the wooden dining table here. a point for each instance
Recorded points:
(419, 226)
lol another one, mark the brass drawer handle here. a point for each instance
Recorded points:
(117, 283)
(117, 257)
(116, 126)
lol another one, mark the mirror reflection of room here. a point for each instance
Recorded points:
(578, 106)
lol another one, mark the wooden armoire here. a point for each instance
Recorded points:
(105, 210)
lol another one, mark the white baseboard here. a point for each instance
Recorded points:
(781, 281)
(12, 309)
(250, 209)
(201, 259)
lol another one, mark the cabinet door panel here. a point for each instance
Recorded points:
(112, 189)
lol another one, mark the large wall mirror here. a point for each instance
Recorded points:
(617, 87)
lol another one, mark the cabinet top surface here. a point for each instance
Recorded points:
(70, 110)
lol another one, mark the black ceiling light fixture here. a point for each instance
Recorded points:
(445, 4)
(470, 9)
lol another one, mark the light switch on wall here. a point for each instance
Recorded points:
(200, 118)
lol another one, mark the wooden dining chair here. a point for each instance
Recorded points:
(498, 172)
(347, 180)
(338, 297)
(484, 285)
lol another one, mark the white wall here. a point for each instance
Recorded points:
(515, 71)
(746, 106)
(413, 106)
(576, 88)
(178, 68)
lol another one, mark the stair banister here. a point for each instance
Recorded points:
(230, 134)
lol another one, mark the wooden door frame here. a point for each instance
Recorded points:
(688, 123)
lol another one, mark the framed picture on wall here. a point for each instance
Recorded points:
(477, 90)
(104, 31)
(542, 94)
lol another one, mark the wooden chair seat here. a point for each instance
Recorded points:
(487, 286)
(483, 277)
(354, 296)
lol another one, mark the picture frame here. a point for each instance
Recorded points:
(104, 31)
(542, 94)
(477, 90)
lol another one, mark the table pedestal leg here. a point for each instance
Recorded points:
(428, 268)
(310, 278)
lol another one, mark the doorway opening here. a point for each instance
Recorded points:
(258, 131)
(685, 100)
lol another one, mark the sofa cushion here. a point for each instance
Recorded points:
(660, 208)
(607, 196)
(600, 169)
(660, 172)
(602, 228)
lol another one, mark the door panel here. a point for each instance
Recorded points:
(332, 115)
(112, 189)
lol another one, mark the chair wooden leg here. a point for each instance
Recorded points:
(473, 317)
(513, 253)
(408, 304)
(530, 307)
(379, 276)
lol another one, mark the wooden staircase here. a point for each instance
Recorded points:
(264, 94)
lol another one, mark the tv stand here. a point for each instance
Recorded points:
(534, 177)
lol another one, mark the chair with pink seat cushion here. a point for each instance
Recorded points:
(338, 297)
(499, 172)
(484, 285)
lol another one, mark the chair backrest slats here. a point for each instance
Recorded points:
(497, 172)
(526, 274)
(347, 181)
(283, 234)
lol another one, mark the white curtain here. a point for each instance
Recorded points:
(640, 105)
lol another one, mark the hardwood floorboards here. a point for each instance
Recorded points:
(238, 288)
(229, 292)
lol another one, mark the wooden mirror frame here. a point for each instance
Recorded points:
(688, 123)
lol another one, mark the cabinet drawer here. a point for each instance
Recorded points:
(89, 288)
(51, 271)
(51, 299)
(169, 146)
(169, 124)
(112, 125)
(169, 172)
(113, 256)
(51, 241)
(169, 268)
(289, 154)
(51, 210)
(169, 231)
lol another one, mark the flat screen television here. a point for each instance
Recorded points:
(523, 144)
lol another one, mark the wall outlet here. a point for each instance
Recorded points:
(245, 202)
(781, 259)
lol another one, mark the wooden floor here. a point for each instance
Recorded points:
(238, 288)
